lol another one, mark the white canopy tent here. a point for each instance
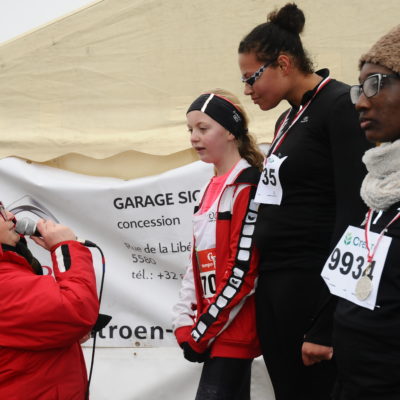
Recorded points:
(104, 92)
(118, 75)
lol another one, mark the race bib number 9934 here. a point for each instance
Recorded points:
(348, 262)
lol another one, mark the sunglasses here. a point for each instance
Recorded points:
(251, 79)
(370, 87)
(3, 211)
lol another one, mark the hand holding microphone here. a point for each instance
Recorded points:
(45, 233)
(27, 227)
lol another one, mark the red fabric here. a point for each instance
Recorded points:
(239, 339)
(42, 320)
(182, 334)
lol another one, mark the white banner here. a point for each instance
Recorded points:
(143, 227)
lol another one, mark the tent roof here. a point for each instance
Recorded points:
(119, 75)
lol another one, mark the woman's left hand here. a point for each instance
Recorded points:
(314, 353)
(52, 234)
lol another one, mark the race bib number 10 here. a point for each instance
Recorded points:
(348, 262)
(207, 266)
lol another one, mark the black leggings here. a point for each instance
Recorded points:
(225, 379)
(285, 304)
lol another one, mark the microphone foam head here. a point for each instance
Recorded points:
(25, 226)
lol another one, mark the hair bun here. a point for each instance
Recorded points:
(289, 17)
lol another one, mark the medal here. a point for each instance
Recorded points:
(363, 288)
(364, 285)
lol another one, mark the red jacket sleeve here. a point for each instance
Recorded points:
(40, 312)
(240, 270)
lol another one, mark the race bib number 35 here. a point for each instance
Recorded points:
(269, 189)
(348, 261)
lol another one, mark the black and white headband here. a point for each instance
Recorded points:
(222, 111)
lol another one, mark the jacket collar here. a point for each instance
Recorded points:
(9, 253)
(239, 167)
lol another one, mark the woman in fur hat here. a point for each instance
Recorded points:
(367, 320)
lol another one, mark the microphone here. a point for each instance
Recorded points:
(26, 226)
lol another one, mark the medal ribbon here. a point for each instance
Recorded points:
(281, 133)
(371, 255)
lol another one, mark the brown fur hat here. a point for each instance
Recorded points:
(385, 52)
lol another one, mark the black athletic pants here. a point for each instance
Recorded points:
(225, 379)
(285, 303)
(368, 366)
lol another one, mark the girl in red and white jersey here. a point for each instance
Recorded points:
(214, 319)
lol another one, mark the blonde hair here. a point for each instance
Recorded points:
(247, 145)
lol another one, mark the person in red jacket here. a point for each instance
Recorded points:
(214, 319)
(43, 317)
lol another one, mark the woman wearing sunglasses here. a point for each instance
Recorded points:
(309, 190)
(367, 322)
(43, 317)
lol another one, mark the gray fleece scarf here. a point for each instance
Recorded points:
(381, 186)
